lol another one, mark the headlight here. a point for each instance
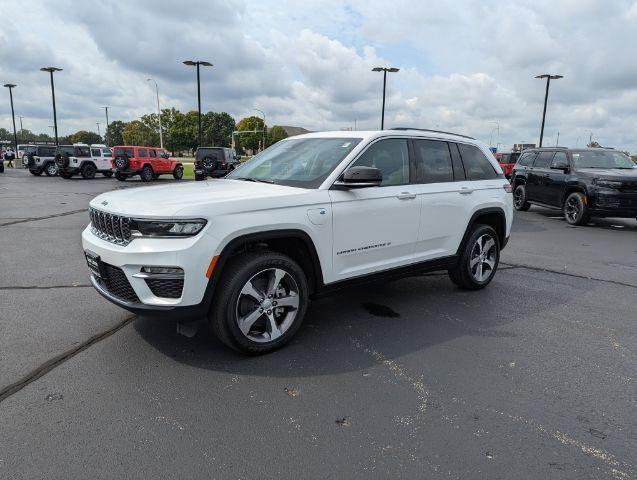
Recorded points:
(166, 228)
(608, 184)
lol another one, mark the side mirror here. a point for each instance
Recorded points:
(360, 177)
(560, 166)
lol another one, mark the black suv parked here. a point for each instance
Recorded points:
(583, 183)
(214, 162)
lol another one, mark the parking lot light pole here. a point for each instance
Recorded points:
(161, 135)
(546, 97)
(55, 119)
(198, 63)
(384, 70)
(106, 132)
(11, 86)
(98, 128)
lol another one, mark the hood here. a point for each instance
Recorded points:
(187, 199)
(619, 174)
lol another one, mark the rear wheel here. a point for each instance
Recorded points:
(261, 302)
(519, 199)
(478, 260)
(88, 171)
(576, 210)
(120, 176)
(178, 172)
(107, 174)
(146, 174)
(51, 169)
(199, 176)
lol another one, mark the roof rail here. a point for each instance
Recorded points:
(432, 131)
(546, 148)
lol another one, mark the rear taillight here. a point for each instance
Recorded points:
(507, 188)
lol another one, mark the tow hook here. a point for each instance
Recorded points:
(188, 328)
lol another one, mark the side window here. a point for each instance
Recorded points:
(142, 153)
(543, 160)
(526, 159)
(83, 152)
(96, 152)
(560, 157)
(458, 168)
(391, 157)
(107, 152)
(152, 153)
(477, 166)
(433, 162)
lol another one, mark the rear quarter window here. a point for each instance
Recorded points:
(476, 164)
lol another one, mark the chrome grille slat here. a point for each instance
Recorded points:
(109, 227)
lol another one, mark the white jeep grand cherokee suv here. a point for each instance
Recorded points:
(310, 214)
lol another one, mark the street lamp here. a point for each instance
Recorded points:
(384, 70)
(546, 97)
(55, 119)
(161, 137)
(98, 128)
(106, 132)
(264, 128)
(198, 63)
(11, 86)
(21, 117)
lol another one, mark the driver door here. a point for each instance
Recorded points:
(376, 228)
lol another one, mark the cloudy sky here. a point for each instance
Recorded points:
(465, 64)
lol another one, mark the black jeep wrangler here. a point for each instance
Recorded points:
(214, 162)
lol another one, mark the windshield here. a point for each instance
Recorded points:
(602, 159)
(302, 162)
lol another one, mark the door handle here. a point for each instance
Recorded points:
(546, 175)
(465, 190)
(405, 196)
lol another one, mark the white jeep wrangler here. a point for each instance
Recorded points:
(310, 214)
(86, 160)
(41, 159)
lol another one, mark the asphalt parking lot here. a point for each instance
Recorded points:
(533, 377)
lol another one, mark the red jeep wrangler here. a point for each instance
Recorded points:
(507, 161)
(147, 162)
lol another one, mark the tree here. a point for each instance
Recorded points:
(84, 136)
(217, 129)
(275, 134)
(152, 127)
(114, 133)
(250, 141)
(183, 133)
(136, 133)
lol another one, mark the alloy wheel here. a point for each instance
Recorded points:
(267, 305)
(483, 258)
(518, 197)
(572, 210)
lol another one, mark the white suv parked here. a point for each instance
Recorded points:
(86, 160)
(308, 215)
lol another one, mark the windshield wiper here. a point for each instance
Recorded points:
(254, 179)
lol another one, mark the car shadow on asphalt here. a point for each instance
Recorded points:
(596, 222)
(345, 332)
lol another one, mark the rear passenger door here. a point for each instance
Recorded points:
(443, 210)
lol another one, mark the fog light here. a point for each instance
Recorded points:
(163, 270)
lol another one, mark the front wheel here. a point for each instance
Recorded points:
(261, 303)
(519, 199)
(178, 172)
(479, 259)
(120, 176)
(88, 171)
(146, 174)
(576, 209)
(51, 170)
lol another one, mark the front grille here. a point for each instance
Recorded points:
(166, 288)
(117, 284)
(109, 227)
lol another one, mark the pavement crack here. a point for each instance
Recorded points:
(49, 287)
(58, 360)
(35, 219)
(575, 275)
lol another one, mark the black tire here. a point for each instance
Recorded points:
(120, 176)
(65, 175)
(224, 316)
(146, 174)
(25, 161)
(178, 172)
(51, 169)
(519, 199)
(88, 171)
(467, 271)
(62, 160)
(199, 176)
(30, 161)
(575, 209)
(122, 162)
(37, 173)
(107, 174)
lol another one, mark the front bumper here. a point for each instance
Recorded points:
(610, 203)
(128, 261)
